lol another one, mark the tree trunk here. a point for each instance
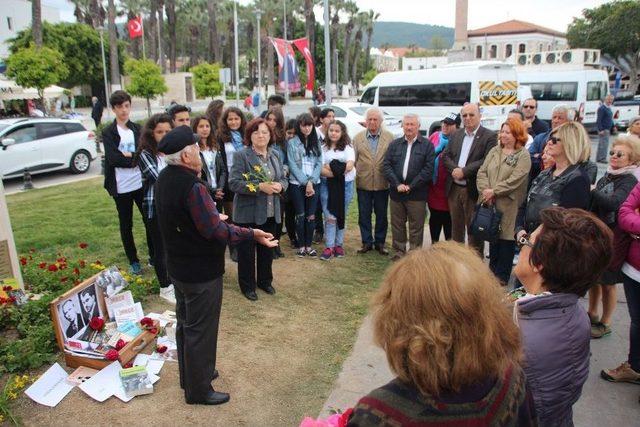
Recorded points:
(153, 31)
(97, 14)
(367, 55)
(310, 26)
(193, 54)
(356, 57)
(214, 54)
(271, 77)
(36, 22)
(335, 21)
(171, 23)
(232, 55)
(77, 12)
(148, 107)
(161, 44)
(347, 51)
(113, 44)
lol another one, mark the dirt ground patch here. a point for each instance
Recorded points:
(278, 357)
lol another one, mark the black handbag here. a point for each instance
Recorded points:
(486, 223)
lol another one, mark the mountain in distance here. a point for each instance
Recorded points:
(404, 34)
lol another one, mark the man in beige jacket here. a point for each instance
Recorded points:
(370, 146)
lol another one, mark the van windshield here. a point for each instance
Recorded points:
(428, 95)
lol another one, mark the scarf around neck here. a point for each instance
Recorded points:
(236, 140)
(622, 171)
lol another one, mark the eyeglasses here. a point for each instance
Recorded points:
(529, 106)
(617, 154)
(554, 140)
(524, 241)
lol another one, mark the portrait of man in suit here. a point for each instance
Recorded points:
(70, 317)
(89, 304)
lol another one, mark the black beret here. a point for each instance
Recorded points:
(177, 139)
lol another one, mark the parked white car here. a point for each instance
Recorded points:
(352, 115)
(625, 108)
(44, 145)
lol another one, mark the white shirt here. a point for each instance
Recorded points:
(127, 179)
(529, 142)
(346, 155)
(467, 142)
(210, 162)
(229, 149)
(405, 167)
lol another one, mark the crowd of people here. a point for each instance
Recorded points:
(249, 182)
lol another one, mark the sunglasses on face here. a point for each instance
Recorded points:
(554, 140)
(617, 154)
(524, 241)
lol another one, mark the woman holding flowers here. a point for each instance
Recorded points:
(257, 178)
(305, 161)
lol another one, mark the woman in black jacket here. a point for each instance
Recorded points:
(214, 172)
(610, 192)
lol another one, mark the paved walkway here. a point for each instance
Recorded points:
(602, 403)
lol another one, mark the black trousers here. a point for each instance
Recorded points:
(501, 259)
(252, 257)
(159, 256)
(198, 315)
(439, 221)
(290, 219)
(124, 205)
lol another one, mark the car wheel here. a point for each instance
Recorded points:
(80, 162)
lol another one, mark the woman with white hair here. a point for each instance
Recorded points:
(634, 127)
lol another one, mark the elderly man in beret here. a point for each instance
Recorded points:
(195, 237)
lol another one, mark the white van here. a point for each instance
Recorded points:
(433, 93)
(581, 90)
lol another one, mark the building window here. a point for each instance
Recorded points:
(478, 52)
(522, 48)
(508, 50)
(493, 51)
(10, 23)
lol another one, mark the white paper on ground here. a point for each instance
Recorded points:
(120, 394)
(153, 365)
(104, 384)
(51, 387)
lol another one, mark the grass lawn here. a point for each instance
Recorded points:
(278, 357)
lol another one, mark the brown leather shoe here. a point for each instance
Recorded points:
(365, 248)
(382, 251)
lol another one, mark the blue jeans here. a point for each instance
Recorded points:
(332, 235)
(305, 208)
(632, 292)
(373, 202)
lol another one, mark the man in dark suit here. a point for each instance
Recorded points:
(73, 318)
(96, 110)
(463, 157)
(408, 166)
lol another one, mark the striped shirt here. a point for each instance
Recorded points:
(150, 167)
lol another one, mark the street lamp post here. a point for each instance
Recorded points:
(258, 15)
(327, 54)
(337, 72)
(286, 54)
(104, 70)
(235, 48)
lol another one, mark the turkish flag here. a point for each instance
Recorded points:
(303, 47)
(135, 27)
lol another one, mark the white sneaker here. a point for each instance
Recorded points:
(168, 294)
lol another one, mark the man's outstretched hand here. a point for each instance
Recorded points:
(264, 238)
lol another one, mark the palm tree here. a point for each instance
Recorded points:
(161, 44)
(337, 6)
(214, 51)
(193, 18)
(36, 22)
(351, 8)
(113, 43)
(170, 6)
(372, 18)
(361, 22)
(310, 25)
(153, 31)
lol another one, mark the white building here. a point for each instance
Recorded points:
(505, 40)
(423, 62)
(384, 61)
(15, 15)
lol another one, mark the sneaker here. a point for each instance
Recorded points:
(301, 253)
(326, 254)
(338, 251)
(622, 373)
(168, 294)
(135, 268)
(312, 252)
(600, 330)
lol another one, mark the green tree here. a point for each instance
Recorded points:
(206, 80)
(146, 80)
(37, 67)
(368, 76)
(614, 28)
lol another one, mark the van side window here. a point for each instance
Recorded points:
(561, 91)
(369, 96)
(435, 95)
(596, 90)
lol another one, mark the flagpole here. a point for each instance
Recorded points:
(235, 45)
(327, 55)
(144, 55)
(286, 55)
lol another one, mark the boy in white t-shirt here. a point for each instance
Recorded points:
(122, 177)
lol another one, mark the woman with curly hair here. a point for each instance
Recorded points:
(214, 173)
(230, 134)
(440, 317)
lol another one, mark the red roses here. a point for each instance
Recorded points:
(120, 344)
(112, 355)
(96, 323)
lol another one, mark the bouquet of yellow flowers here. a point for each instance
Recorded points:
(256, 176)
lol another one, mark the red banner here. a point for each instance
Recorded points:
(135, 27)
(303, 47)
(281, 47)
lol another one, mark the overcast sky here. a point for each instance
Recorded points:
(556, 14)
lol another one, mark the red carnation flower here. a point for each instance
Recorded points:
(161, 349)
(96, 323)
(154, 331)
(12, 299)
(83, 245)
(82, 263)
(120, 344)
(76, 271)
(7, 288)
(146, 321)
(52, 267)
(42, 265)
(23, 261)
(112, 355)
(64, 279)
(98, 262)
(3, 300)
(62, 260)
(76, 282)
